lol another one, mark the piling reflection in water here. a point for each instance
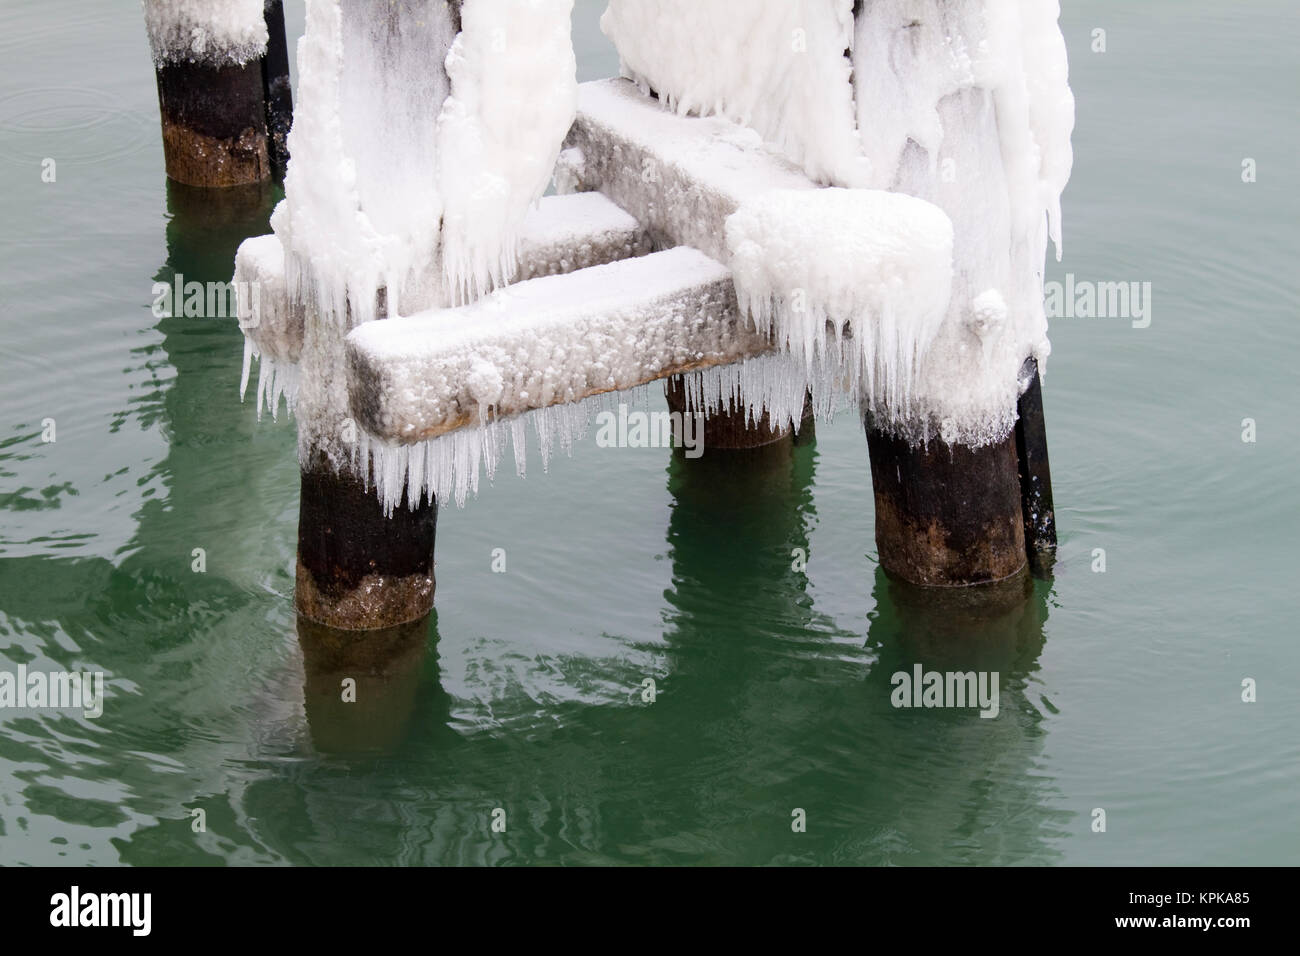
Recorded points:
(360, 687)
(788, 709)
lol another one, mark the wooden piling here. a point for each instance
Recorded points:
(1035, 473)
(946, 515)
(213, 123)
(357, 569)
(277, 93)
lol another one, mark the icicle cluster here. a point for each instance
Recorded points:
(814, 266)
(449, 467)
(205, 31)
(275, 380)
(362, 208)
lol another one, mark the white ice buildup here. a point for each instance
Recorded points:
(362, 208)
(449, 466)
(560, 234)
(205, 31)
(963, 103)
(966, 104)
(273, 330)
(680, 176)
(813, 265)
(514, 91)
(778, 66)
(564, 233)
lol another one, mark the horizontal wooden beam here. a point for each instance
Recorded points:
(679, 176)
(547, 341)
(561, 234)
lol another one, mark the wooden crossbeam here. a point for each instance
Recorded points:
(561, 234)
(680, 176)
(544, 342)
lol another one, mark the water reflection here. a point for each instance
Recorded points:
(786, 710)
(360, 686)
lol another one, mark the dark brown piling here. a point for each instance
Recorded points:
(213, 123)
(946, 515)
(357, 569)
(1035, 473)
(276, 90)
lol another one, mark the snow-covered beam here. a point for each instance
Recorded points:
(680, 176)
(544, 342)
(561, 234)
(565, 233)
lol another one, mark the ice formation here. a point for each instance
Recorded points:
(966, 104)
(410, 181)
(448, 467)
(207, 31)
(778, 66)
(811, 267)
(913, 286)
(563, 233)
(680, 176)
(273, 331)
(963, 103)
(362, 208)
(514, 91)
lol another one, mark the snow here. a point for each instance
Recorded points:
(205, 31)
(775, 65)
(513, 95)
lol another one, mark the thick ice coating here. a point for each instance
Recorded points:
(913, 285)
(962, 103)
(545, 342)
(362, 208)
(778, 66)
(965, 103)
(813, 265)
(514, 91)
(410, 180)
(205, 31)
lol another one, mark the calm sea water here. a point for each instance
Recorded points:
(1120, 690)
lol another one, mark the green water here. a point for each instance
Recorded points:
(1120, 690)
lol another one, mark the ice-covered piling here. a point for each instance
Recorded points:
(965, 103)
(424, 132)
(217, 88)
(923, 313)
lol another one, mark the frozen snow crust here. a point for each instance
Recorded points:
(205, 31)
